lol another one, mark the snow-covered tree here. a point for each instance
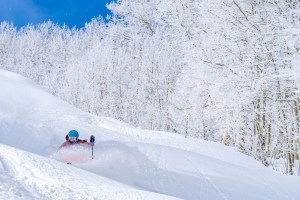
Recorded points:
(222, 70)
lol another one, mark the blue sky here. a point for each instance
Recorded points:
(70, 12)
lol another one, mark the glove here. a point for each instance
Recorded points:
(92, 139)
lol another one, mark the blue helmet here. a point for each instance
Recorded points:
(73, 134)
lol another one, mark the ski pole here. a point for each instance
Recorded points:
(92, 151)
(92, 140)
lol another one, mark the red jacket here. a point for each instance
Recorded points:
(79, 142)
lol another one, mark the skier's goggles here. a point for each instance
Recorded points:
(73, 139)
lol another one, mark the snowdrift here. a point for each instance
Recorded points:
(28, 176)
(129, 163)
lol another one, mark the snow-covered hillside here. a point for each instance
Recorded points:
(129, 163)
(29, 176)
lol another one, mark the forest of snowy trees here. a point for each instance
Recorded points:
(221, 70)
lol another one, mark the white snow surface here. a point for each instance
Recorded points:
(129, 163)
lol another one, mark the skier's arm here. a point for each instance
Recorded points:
(91, 143)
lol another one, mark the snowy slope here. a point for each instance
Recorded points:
(28, 176)
(129, 163)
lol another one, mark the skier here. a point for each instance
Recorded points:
(72, 139)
